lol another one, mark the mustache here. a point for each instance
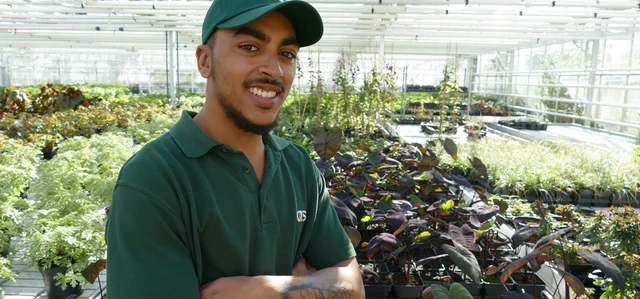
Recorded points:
(275, 83)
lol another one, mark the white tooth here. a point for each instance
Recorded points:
(263, 94)
(272, 94)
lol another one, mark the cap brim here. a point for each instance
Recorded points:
(304, 18)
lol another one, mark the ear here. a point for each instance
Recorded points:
(203, 58)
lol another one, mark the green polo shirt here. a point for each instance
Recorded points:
(187, 210)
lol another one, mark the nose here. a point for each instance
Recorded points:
(271, 67)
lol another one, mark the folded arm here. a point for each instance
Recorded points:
(341, 281)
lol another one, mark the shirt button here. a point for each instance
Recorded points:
(246, 170)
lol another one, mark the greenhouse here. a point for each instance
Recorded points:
(469, 148)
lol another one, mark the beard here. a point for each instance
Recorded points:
(241, 121)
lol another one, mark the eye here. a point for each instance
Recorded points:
(289, 55)
(249, 47)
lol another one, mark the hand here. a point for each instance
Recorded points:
(302, 267)
(238, 287)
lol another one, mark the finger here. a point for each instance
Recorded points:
(310, 267)
(299, 268)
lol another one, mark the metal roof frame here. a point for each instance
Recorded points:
(422, 27)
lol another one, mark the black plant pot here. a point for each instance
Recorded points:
(408, 290)
(48, 155)
(377, 291)
(56, 292)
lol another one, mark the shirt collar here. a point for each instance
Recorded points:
(194, 142)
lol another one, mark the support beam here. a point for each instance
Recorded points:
(4, 78)
(625, 100)
(381, 53)
(172, 68)
(595, 49)
(472, 68)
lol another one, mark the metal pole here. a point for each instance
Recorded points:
(172, 68)
(592, 79)
(166, 58)
(178, 63)
(626, 91)
(404, 88)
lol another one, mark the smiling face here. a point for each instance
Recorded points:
(250, 71)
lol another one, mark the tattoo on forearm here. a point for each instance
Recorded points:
(321, 285)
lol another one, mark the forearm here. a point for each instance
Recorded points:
(338, 282)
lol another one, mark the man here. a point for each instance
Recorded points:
(218, 207)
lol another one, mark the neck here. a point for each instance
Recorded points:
(215, 123)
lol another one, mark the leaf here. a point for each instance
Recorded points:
(426, 260)
(536, 263)
(427, 163)
(440, 179)
(491, 270)
(573, 282)
(464, 235)
(396, 220)
(386, 203)
(464, 259)
(354, 235)
(455, 291)
(519, 263)
(402, 205)
(384, 242)
(375, 159)
(416, 201)
(323, 166)
(504, 206)
(422, 236)
(344, 213)
(91, 272)
(460, 180)
(522, 235)
(451, 148)
(485, 213)
(327, 144)
(406, 181)
(479, 167)
(417, 223)
(605, 265)
(448, 205)
(343, 160)
(365, 219)
(548, 239)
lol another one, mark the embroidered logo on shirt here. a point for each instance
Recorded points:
(301, 215)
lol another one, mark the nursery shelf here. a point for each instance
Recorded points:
(568, 132)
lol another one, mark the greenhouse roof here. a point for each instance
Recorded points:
(434, 27)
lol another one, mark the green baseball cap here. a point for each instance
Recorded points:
(228, 14)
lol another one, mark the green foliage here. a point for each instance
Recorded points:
(71, 240)
(454, 291)
(90, 165)
(635, 153)
(18, 162)
(516, 168)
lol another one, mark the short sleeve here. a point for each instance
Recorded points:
(146, 252)
(328, 243)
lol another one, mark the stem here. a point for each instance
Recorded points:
(100, 287)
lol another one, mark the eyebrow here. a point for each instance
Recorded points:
(263, 37)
